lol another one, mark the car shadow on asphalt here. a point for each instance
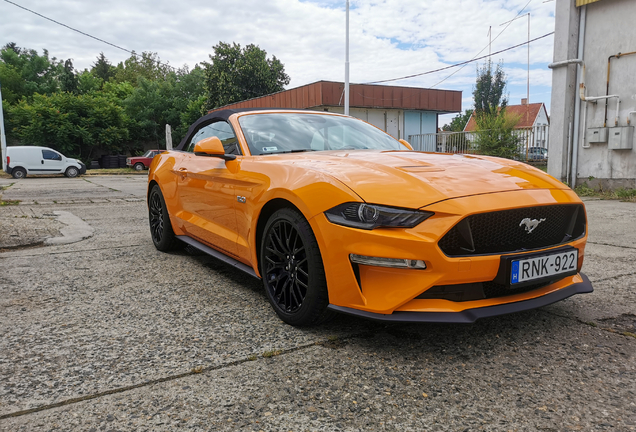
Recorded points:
(483, 336)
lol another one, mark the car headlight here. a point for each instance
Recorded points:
(371, 216)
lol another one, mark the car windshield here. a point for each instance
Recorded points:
(149, 154)
(297, 132)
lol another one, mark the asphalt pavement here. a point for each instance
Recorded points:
(103, 332)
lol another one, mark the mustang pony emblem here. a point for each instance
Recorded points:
(530, 224)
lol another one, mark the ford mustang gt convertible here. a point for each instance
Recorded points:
(335, 215)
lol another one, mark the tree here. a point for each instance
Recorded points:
(73, 124)
(236, 74)
(148, 65)
(489, 89)
(68, 77)
(102, 68)
(87, 82)
(24, 72)
(177, 100)
(496, 135)
(495, 130)
(458, 123)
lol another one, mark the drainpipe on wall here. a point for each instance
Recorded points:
(577, 106)
(573, 158)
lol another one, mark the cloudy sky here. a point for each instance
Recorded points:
(388, 38)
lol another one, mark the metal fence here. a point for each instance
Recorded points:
(533, 143)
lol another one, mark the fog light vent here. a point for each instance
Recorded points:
(388, 262)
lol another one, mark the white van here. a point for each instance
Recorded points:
(23, 160)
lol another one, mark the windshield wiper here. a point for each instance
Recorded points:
(289, 151)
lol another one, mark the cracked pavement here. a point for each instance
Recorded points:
(109, 334)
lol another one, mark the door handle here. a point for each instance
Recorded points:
(183, 172)
(42, 162)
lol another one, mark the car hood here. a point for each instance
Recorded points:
(416, 179)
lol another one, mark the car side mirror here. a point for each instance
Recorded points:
(212, 147)
(406, 144)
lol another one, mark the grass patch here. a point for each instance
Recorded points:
(8, 203)
(268, 354)
(622, 194)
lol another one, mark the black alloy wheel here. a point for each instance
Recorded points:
(160, 228)
(292, 270)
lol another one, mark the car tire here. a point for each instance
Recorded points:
(18, 173)
(139, 166)
(292, 270)
(71, 172)
(160, 228)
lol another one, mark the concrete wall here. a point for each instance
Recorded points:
(609, 30)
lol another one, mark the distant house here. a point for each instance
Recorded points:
(532, 117)
(399, 111)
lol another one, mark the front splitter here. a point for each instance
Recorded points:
(471, 315)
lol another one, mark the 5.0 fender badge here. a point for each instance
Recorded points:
(530, 224)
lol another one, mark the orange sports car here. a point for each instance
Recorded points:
(335, 215)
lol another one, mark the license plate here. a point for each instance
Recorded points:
(545, 266)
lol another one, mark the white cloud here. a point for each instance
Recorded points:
(388, 38)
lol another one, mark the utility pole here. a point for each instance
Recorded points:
(528, 14)
(528, 95)
(3, 139)
(346, 89)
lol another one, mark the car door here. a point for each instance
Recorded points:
(205, 187)
(50, 162)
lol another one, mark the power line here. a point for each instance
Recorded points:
(462, 63)
(489, 44)
(85, 34)
(104, 41)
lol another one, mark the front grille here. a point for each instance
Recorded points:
(504, 231)
(476, 291)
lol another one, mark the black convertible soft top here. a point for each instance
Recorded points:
(220, 115)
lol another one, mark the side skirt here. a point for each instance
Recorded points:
(218, 255)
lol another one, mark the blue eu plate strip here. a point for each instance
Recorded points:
(514, 278)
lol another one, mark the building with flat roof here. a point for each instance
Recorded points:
(399, 111)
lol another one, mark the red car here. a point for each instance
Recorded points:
(142, 162)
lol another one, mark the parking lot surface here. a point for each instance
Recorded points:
(106, 333)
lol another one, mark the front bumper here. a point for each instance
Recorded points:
(82, 168)
(399, 294)
(471, 315)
